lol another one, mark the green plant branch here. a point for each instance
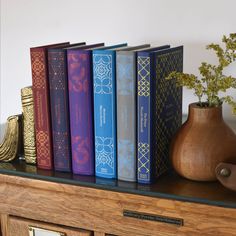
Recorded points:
(212, 79)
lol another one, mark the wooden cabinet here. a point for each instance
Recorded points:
(22, 227)
(76, 209)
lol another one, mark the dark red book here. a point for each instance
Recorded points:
(41, 105)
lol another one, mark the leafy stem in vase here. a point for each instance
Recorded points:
(212, 80)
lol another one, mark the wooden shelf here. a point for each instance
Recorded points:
(89, 205)
(169, 186)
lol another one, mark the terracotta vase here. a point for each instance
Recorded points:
(202, 142)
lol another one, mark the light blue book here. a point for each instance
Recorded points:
(104, 81)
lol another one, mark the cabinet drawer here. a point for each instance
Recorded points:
(22, 227)
(109, 212)
(164, 217)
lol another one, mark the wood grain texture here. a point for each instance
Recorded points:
(4, 224)
(202, 143)
(102, 211)
(20, 227)
(96, 233)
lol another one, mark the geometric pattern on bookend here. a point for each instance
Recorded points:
(42, 147)
(38, 69)
(143, 76)
(126, 158)
(104, 151)
(125, 74)
(56, 70)
(61, 151)
(102, 73)
(29, 139)
(163, 131)
(143, 160)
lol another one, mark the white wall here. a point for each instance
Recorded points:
(27, 23)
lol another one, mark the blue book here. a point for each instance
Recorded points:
(159, 110)
(104, 81)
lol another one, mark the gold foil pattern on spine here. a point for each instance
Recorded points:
(28, 125)
(9, 147)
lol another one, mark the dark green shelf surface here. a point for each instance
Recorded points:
(169, 186)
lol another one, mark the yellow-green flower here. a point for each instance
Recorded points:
(212, 79)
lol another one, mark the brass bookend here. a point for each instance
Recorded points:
(12, 143)
(28, 125)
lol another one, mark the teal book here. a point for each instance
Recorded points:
(104, 89)
(159, 110)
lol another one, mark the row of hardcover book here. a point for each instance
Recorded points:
(106, 110)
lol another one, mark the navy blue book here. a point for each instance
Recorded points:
(159, 110)
(104, 89)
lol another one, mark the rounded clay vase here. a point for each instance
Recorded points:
(202, 142)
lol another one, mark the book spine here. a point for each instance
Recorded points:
(81, 111)
(57, 68)
(41, 108)
(105, 113)
(167, 96)
(144, 115)
(126, 115)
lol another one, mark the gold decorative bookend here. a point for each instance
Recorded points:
(28, 125)
(12, 142)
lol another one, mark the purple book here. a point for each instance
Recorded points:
(81, 110)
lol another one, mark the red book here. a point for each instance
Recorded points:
(42, 113)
